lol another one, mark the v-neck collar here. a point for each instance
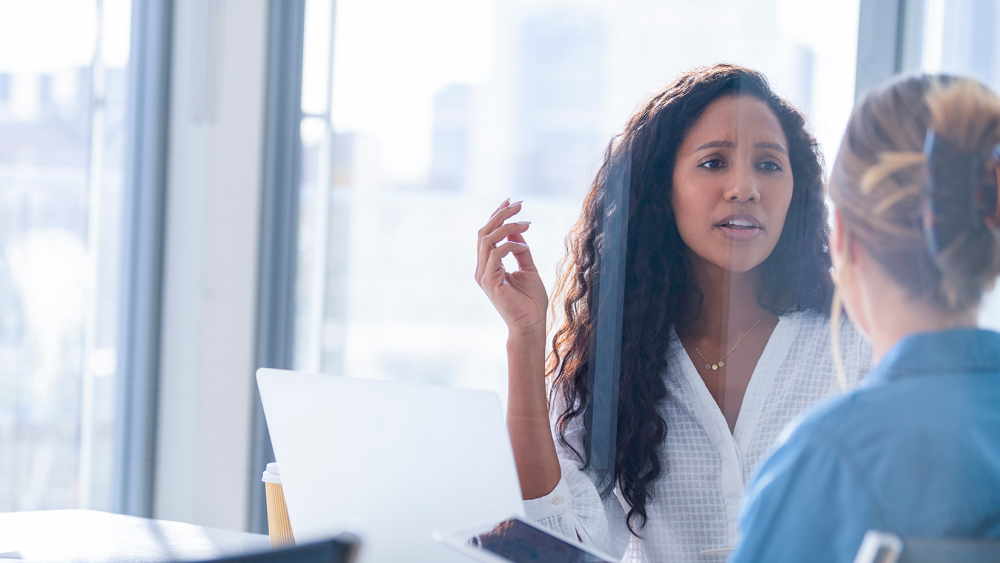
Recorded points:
(761, 381)
(733, 446)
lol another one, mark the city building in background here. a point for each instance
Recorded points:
(62, 118)
(450, 147)
(561, 56)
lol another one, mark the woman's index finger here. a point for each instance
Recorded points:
(503, 204)
(500, 216)
(506, 206)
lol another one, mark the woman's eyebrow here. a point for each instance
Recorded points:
(730, 144)
(715, 145)
(772, 146)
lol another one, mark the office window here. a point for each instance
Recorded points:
(45, 88)
(439, 110)
(4, 87)
(62, 114)
(957, 37)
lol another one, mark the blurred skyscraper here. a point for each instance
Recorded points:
(450, 148)
(558, 101)
(968, 39)
(803, 65)
(4, 88)
(37, 127)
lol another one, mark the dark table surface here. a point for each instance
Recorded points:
(91, 536)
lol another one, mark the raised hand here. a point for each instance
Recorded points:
(521, 299)
(519, 296)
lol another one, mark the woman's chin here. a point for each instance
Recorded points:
(739, 264)
(740, 267)
(732, 258)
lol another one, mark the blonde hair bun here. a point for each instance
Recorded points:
(960, 192)
(916, 183)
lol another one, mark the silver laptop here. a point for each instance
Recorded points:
(397, 461)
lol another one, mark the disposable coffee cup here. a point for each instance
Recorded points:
(278, 526)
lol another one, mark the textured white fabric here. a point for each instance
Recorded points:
(696, 498)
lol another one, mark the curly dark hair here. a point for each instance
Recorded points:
(658, 278)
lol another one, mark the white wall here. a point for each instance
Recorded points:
(210, 291)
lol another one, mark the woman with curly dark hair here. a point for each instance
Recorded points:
(724, 331)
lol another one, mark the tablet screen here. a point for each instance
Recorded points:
(518, 542)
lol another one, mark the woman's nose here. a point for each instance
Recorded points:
(743, 187)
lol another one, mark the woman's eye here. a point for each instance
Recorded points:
(712, 164)
(770, 166)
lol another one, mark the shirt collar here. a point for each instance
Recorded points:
(946, 351)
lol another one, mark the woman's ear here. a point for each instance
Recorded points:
(842, 246)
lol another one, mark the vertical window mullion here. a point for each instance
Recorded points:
(142, 257)
(879, 43)
(279, 222)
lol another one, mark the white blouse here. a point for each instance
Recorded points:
(705, 466)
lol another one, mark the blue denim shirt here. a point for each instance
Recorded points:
(915, 451)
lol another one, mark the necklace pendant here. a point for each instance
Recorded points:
(715, 367)
(721, 363)
(708, 366)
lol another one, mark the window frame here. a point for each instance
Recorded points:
(144, 203)
(279, 224)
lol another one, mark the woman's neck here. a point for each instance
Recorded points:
(729, 301)
(887, 313)
(912, 319)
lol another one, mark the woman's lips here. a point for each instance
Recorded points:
(740, 226)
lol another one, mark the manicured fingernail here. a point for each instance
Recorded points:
(518, 202)
(525, 223)
(504, 202)
(519, 243)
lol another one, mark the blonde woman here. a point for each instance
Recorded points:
(916, 449)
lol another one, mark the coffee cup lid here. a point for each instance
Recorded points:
(271, 475)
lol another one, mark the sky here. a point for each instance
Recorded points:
(33, 40)
(391, 58)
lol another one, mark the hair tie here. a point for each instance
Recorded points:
(959, 192)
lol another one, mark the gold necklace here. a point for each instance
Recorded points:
(714, 367)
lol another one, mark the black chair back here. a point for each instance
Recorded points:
(341, 549)
(882, 547)
(925, 550)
